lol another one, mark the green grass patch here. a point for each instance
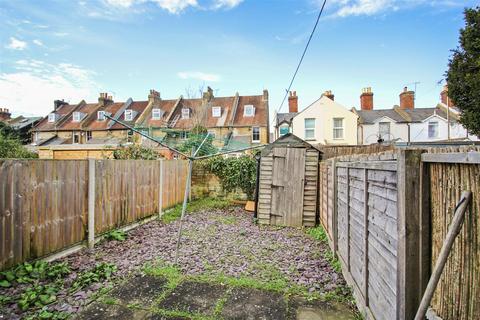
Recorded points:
(194, 206)
(318, 233)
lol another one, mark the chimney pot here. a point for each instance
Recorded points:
(366, 99)
(407, 99)
(329, 95)
(293, 102)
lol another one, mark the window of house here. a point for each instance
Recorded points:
(248, 110)
(101, 115)
(130, 136)
(89, 135)
(184, 135)
(309, 129)
(76, 137)
(284, 129)
(156, 114)
(128, 115)
(433, 129)
(384, 131)
(77, 116)
(337, 128)
(255, 134)
(52, 117)
(185, 113)
(216, 112)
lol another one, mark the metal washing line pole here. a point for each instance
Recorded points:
(191, 158)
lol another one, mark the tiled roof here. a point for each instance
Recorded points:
(166, 106)
(69, 124)
(138, 107)
(400, 115)
(370, 116)
(285, 117)
(62, 111)
(94, 124)
(21, 122)
(261, 112)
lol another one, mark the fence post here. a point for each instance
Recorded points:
(365, 234)
(408, 228)
(425, 229)
(348, 220)
(160, 191)
(334, 207)
(91, 203)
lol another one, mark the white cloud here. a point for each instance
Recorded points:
(175, 6)
(228, 4)
(345, 8)
(363, 7)
(16, 44)
(35, 84)
(199, 76)
(38, 42)
(121, 3)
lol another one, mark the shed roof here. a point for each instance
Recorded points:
(289, 141)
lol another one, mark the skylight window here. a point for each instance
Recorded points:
(77, 116)
(52, 117)
(185, 113)
(101, 115)
(128, 115)
(156, 114)
(249, 110)
(216, 112)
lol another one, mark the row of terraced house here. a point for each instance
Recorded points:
(85, 130)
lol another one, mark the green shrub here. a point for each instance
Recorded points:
(234, 173)
(135, 152)
(11, 146)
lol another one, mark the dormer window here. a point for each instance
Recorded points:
(249, 110)
(185, 113)
(77, 116)
(216, 112)
(52, 117)
(156, 114)
(101, 115)
(128, 116)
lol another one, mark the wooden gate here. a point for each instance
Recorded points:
(288, 178)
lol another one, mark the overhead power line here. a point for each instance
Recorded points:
(303, 56)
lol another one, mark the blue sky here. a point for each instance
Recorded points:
(73, 50)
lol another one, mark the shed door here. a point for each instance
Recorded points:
(287, 186)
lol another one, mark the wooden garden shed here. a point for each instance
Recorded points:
(287, 183)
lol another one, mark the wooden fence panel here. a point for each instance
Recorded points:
(43, 207)
(44, 203)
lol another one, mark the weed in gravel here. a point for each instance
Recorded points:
(30, 273)
(172, 274)
(319, 234)
(193, 206)
(100, 272)
(117, 235)
(226, 219)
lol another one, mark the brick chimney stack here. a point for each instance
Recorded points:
(4, 114)
(104, 98)
(154, 97)
(329, 95)
(208, 95)
(366, 99)
(407, 99)
(58, 103)
(293, 102)
(265, 95)
(444, 97)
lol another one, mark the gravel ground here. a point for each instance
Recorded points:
(216, 241)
